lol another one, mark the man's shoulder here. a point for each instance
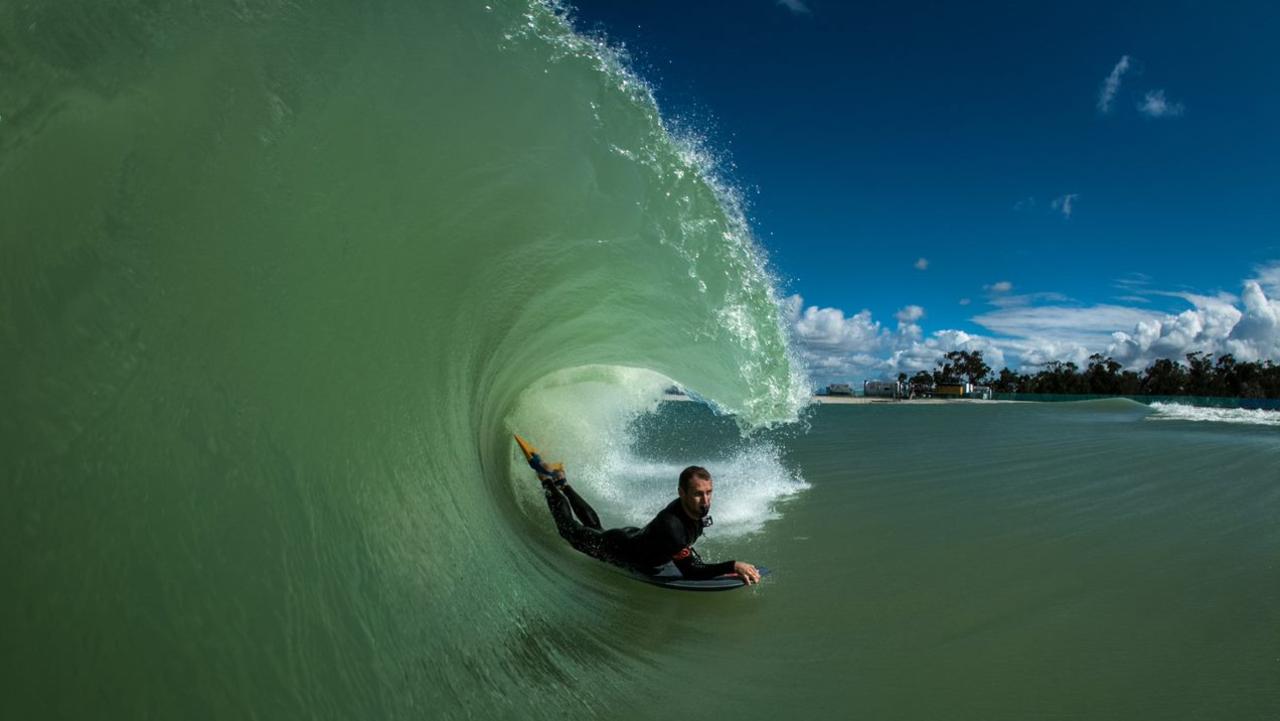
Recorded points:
(668, 519)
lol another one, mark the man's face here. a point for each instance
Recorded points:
(697, 499)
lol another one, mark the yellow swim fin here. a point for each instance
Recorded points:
(535, 460)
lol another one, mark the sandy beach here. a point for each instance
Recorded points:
(862, 400)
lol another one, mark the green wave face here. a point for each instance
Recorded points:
(278, 282)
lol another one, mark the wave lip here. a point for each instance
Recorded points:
(1239, 416)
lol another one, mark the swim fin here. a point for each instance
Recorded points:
(535, 460)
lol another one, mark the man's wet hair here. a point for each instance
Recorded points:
(690, 473)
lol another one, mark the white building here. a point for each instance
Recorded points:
(883, 389)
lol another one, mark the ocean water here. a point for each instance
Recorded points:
(280, 279)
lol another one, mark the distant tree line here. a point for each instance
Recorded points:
(1201, 375)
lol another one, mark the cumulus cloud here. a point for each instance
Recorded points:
(1064, 203)
(848, 348)
(923, 354)
(1172, 336)
(795, 6)
(1268, 277)
(1111, 85)
(828, 329)
(854, 347)
(1155, 105)
(1213, 325)
(1257, 335)
(922, 264)
(1003, 286)
(910, 314)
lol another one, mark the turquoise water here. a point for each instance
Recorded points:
(279, 281)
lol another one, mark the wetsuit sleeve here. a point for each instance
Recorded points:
(687, 559)
(692, 567)
(665, 538)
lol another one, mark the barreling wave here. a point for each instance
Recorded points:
(279, 280)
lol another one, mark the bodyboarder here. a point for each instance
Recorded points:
(669, 537)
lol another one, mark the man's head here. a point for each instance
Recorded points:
(695, 491)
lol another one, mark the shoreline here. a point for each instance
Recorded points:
(863, 400)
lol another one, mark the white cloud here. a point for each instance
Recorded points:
(1133, 281)
(924, 354)
(965, 301)
(1024, 299)
(1172, 336)
(795, 6)
(829, 329)
(1257, 335)
(910, 314)
(1195, 299)
(856, 347)
(851, 348)
(1003, 286)
(1111, 85)
(1269, 277)
(1155, 105)
(1214, 325)
(922, 264)
(1080, 326)
(1063, 203)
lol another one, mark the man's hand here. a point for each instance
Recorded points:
(747, 571)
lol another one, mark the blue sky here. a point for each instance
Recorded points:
(1027, 179)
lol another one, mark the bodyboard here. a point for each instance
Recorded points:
(668, 576)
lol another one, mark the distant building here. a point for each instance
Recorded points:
(962, 390)
(884, 389)
(839, 389)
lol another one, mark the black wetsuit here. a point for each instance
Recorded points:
(668, 538)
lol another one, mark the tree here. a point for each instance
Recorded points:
(1200, 376)
(961, 365)
(945, 371)
(1059, 378)
(973, 367)
(1008, 382)
(1226, 376)
(1164, 378)
(921, 383)
(1103, 375)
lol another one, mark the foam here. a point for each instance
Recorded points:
(1245, 416)
(584, 417)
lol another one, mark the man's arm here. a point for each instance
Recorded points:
(692, 567)
(690, 563)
